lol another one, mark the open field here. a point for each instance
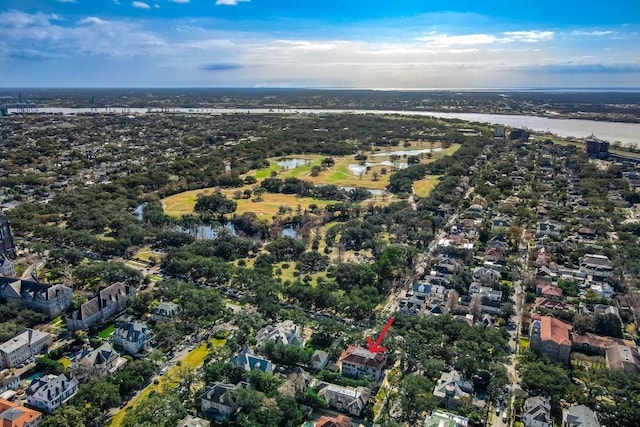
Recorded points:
(423, 187)
(376, 177)
(191, 362)
(183, 203)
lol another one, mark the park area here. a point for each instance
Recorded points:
(372, 174)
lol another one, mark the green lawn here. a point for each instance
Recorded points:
(107, 332)
(66, 362)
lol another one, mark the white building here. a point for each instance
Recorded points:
(51, 391)
(597, 266)
(537, 412)
(26, 344)
(132, 337)
(285, 333)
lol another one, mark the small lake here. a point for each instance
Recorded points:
(207, 232)
(358, 169)
(292, 163)
(406, 152)
(373, 192)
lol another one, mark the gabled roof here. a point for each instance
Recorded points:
(555, 330)
(581, 416)
(132, 331)
(27, 289)
(361, 356)
(538, 408)
(99, 356)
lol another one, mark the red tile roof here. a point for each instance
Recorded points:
(360, 356)
(555, 330)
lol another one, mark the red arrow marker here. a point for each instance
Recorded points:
(375, 347)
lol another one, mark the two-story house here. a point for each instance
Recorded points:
(15, 415)
(537, 412)
(217, 401)
(351, 400)
(451, 389)
(579, 416)
(133, 337)
(99, 362)
(359, 362)
(51, 391)
(552, 337)
(165, 311)
(284, 333)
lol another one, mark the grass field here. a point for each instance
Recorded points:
(183, 203)
(107, 332)
(169, 380)
(424, 186)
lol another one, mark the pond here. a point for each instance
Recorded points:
(372, 191)
(407, 152)
(207, 232)
(358, 169)
(289, 231)
(138, 212)
(291, 163)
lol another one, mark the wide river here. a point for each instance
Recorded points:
(626, 133)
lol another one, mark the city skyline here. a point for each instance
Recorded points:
(345, 44)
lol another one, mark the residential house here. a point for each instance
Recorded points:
(485, 292)
(445, 419)
(15, 415)
(550, 228)
(358, 362)
(103, 306)
(602, 290)
(537, 412)
(548, 291)
(500, 222)
(337, 421)
(552, 337)
(7, 246)
(23, 346)
(424, 289)
(619, 356)
(7, 268)
(451, 389)
(252, 362)
(9, 381)
(285, 333)
(597, 266)
(579, 416)
(603, 310)
(52, 300)
(51, 391)
(191, 421)
(551, 304)
(133, 337)
(410, 305)
(351, 400)
(165, 311)
(319, 359)
(217, 400)
(486, 276)
(99, 362)
(474, 211)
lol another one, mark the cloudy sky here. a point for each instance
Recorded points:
(320, 43)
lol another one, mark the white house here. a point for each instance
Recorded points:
(49, 392)
(285, 333)
(358, 362)
(100, 362)
(597, 266)
(165, 311)
(132, 337)
(26, 344)
(537, 412)
(319, 359)
(346, 399)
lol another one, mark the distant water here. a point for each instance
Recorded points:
(626, 133)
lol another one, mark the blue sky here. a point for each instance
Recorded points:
(310, 43)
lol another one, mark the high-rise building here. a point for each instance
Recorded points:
(597, 148)
(7, 247)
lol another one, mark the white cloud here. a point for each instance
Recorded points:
(445, 40)
(67, 1)
(140, 5)
(157, 6)
(230, 2)
(595, 33)
(92, 20)
(527, 36)
(180, 1)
